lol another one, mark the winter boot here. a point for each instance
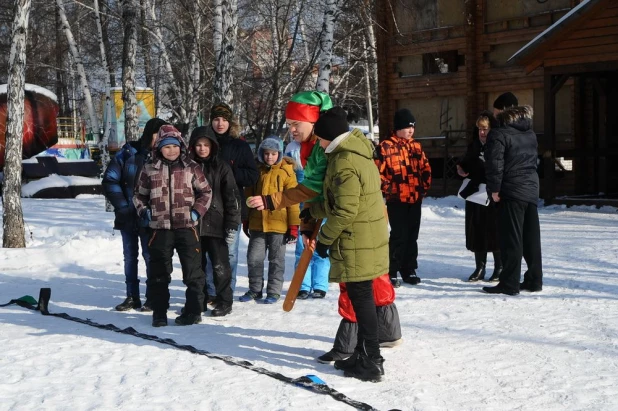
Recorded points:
(367, 368)
(479, 273)
(348, 363)
(332, 356)
(395, 281)
(159, 319)
(410, 277)
(221, 309)
(495, 277)
(129, 303)
(188, 319)
(303, 295)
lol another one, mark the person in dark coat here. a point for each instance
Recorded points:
(513, 182)
(237, 153)
(481, 221)
(118, 185)
(223, 216)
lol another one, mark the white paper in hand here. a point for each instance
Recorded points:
(478, 197)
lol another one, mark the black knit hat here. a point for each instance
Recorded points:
(331, 124)
(506, 100)
(221, 110)
(151, 127)
(403, 119)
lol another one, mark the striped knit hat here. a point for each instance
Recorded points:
(307, 105)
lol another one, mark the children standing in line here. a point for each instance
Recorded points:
(222, 219)
(171, 195)
(270, 230)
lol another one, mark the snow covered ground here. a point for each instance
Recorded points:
(462, 349)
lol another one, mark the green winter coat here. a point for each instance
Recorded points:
(355, 229)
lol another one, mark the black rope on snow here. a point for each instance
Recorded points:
(304, 381)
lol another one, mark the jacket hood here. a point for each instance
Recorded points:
(203, 132)
(354, 141)
(517, 117)
(270, 143)
(169, 131)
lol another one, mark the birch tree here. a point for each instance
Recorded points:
(326, 46)
(12, 214)
(224, 45)
(108, 120)
(81, 73)
(129, 52)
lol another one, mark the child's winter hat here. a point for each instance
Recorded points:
(168, 134)
(221, 110)
(331, 124)
(270, 143)
(505, 101)
(307, 105)
(403, 119)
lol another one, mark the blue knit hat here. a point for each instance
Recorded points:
(168, 141)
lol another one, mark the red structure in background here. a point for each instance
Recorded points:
(40, 111)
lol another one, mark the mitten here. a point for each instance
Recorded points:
(291, 235)
(195, 215)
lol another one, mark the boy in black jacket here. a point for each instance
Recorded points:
(223, 218)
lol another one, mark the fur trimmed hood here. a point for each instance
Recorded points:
(514, 115)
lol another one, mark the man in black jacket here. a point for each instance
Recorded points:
(513, 182)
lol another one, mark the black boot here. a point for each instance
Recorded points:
(410, 277)
(130, 303)
(366, 368)
(479, 272)
(495, 277)
(159, 319)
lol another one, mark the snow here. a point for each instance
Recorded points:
(54, 180)
(463, 349)
(33, 88)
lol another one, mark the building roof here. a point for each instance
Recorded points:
(552, 31)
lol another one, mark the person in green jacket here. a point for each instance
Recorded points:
(355, 235)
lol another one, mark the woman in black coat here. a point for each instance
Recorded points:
(481, 221)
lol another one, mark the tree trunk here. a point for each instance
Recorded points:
(326, 46)
(174, 95)
(129, 51)
(224, 42)
(81, 73)
(146, 47)
(108, 121)
(12, 214)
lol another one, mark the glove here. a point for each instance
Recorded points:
(145, 218)
(195, 215)
(230, 235)
(123, 215)
(291, 235)
(321, 249)
(305, 215)
(245, 228)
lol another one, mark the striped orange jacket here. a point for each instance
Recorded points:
(404, 170)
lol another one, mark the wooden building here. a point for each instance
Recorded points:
(580, 50)
(447, 60)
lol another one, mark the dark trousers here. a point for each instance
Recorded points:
(131, 241)
(520, 236)
(389, 329)
(161, 246)
(361, 297)
(405, 222)
(217, 250)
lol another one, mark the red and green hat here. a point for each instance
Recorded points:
(307, 105)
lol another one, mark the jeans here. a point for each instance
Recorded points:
(233, 250)
(130, 251)
(259, 243)
(316, 277)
